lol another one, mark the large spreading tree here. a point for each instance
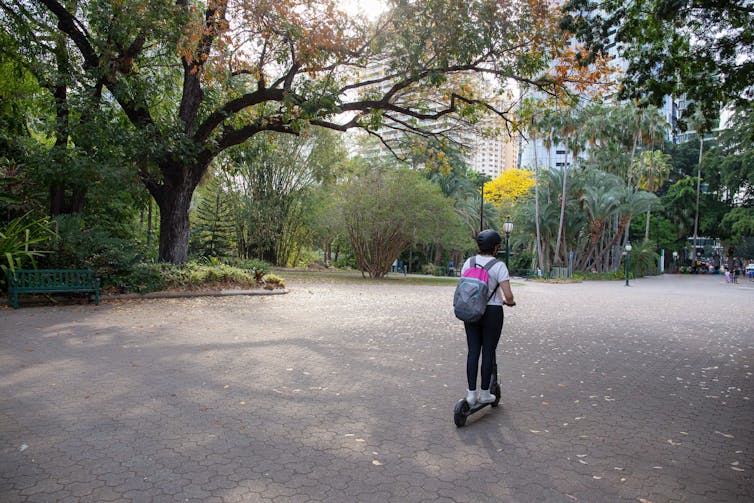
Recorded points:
(701, 48)
(183, 80)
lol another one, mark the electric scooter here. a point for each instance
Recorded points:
(463, 409)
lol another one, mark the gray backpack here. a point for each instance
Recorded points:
(473, 292)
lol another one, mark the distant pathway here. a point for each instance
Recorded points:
(344, 393)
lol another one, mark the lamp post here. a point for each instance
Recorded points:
(481, 207)
(507, 228)
(628, 261)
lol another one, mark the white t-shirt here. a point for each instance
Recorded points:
(498, 274)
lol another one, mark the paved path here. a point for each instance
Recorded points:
(344, 393)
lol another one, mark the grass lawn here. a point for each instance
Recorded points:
(342, 276)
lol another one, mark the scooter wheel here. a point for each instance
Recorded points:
(496, 392)
(460, 412)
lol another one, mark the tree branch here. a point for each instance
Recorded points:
(137, 112)
(193, 94)
(247, 100)
(69, 25)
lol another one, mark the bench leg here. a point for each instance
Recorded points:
(13, 299)
(96, 297)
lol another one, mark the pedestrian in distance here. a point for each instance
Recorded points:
(730, 264)
(482, 336)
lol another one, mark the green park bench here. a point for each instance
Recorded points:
(51, 281)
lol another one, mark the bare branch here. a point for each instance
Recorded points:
(395, 154)
(335, 126)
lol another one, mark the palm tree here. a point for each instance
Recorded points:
(679, 204)
(631, 203)
(633, 127)
(701, 124)
(536, 200)
(458, 186)
(569, 124)
(562, 213)
(653, 173)
(601, 197)
(549, 212)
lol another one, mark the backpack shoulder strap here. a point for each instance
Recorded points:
(472, 261)
(491, 264)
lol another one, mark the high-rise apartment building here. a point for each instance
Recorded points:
(491, 155)
(486, 146)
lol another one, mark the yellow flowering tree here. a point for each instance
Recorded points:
(508, 188)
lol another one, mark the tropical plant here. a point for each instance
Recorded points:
(653, 170)
(600, 199)
(644, 259)
(21, 242)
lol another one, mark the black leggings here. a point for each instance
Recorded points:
(483, 336)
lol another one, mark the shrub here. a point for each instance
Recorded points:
(644, 259)
(146, 278)
(599, 276)
(194, 276)
(271, 281)
(112, 258)
(430, 269)
(346, 263)
(249, 264)
(21, 242)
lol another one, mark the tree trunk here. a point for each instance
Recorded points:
(631, 181)
(536, 206)
(57, 200)
(438, 254)
(62, 205)
(149, 222)
(562, 210)
(646, 230)
(698, 191)
(175, 228)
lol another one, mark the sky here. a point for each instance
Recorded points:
(370, 8)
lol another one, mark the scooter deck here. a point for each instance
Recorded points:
(463, 410)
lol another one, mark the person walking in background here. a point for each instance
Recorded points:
(738, 267)
(729, 264)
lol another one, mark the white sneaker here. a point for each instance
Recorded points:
(471, 397)
(486, 397)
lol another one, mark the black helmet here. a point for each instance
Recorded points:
(488, 239)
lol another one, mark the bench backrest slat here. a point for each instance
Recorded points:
(52, 278)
